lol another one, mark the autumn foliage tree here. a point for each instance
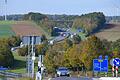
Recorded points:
(90, 22)
(14, 41)
(91, 49)
(6, 56)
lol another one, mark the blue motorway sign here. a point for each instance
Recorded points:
(100, 65)
(116, 62)
(3, 69)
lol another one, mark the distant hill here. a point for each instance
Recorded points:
(112, 19)
(16, 17)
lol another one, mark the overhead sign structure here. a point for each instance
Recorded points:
(100, 65)
(27, 40)
(31, 41)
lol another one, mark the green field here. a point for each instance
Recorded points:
(7, 22)
(20, 64)
(5, 29)
(82, 35)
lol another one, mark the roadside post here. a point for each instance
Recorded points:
(106, 73)
(113, 69)
(116, 62)
(40, 68)
(116, 71)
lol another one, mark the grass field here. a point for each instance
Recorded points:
(8, 22)
(20, 64)
(82, 35)
(5, 29)
(111, 32)
(22, 28)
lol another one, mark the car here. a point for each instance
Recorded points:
(63, 71)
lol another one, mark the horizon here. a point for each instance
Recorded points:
(79, 7)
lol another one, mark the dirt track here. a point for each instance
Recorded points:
(26, 28)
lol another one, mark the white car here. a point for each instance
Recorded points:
(63, 71)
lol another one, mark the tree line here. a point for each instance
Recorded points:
(77, 56)
(90, 22)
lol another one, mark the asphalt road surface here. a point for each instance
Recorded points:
(72, 78)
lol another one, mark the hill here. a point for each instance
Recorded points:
(22, 28)
(111, 32)
(6, 29)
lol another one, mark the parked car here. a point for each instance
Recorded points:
(63, 71)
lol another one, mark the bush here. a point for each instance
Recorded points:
(14, 41)
(6, 56)
(23, 51)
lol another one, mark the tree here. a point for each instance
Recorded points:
(72, 58)
(34, 16)
(14, 41)
(91, 49)
(6, 56)
(90, 22)
(23, 51)
(76, 39)
(115, 48)
(41, 49)
(54, 55)
(43, 38)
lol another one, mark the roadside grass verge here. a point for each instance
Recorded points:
(20, 64)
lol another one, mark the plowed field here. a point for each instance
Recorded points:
(26, 28)
(111, 32)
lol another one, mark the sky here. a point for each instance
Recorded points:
(70, 7)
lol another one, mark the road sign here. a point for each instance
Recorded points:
(3, 69)
(116, 62)
(100, 57)
(100, 65)
(106, 57)
(104, 66)
(96, 65)
(27, 40)
(111, 62)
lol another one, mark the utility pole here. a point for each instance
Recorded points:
(5, 10)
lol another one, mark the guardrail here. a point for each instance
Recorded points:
(14, 75)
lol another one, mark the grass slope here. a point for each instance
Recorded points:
(43, 31)
(20, 64)
(5, 29)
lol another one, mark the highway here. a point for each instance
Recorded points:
(73, 78)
